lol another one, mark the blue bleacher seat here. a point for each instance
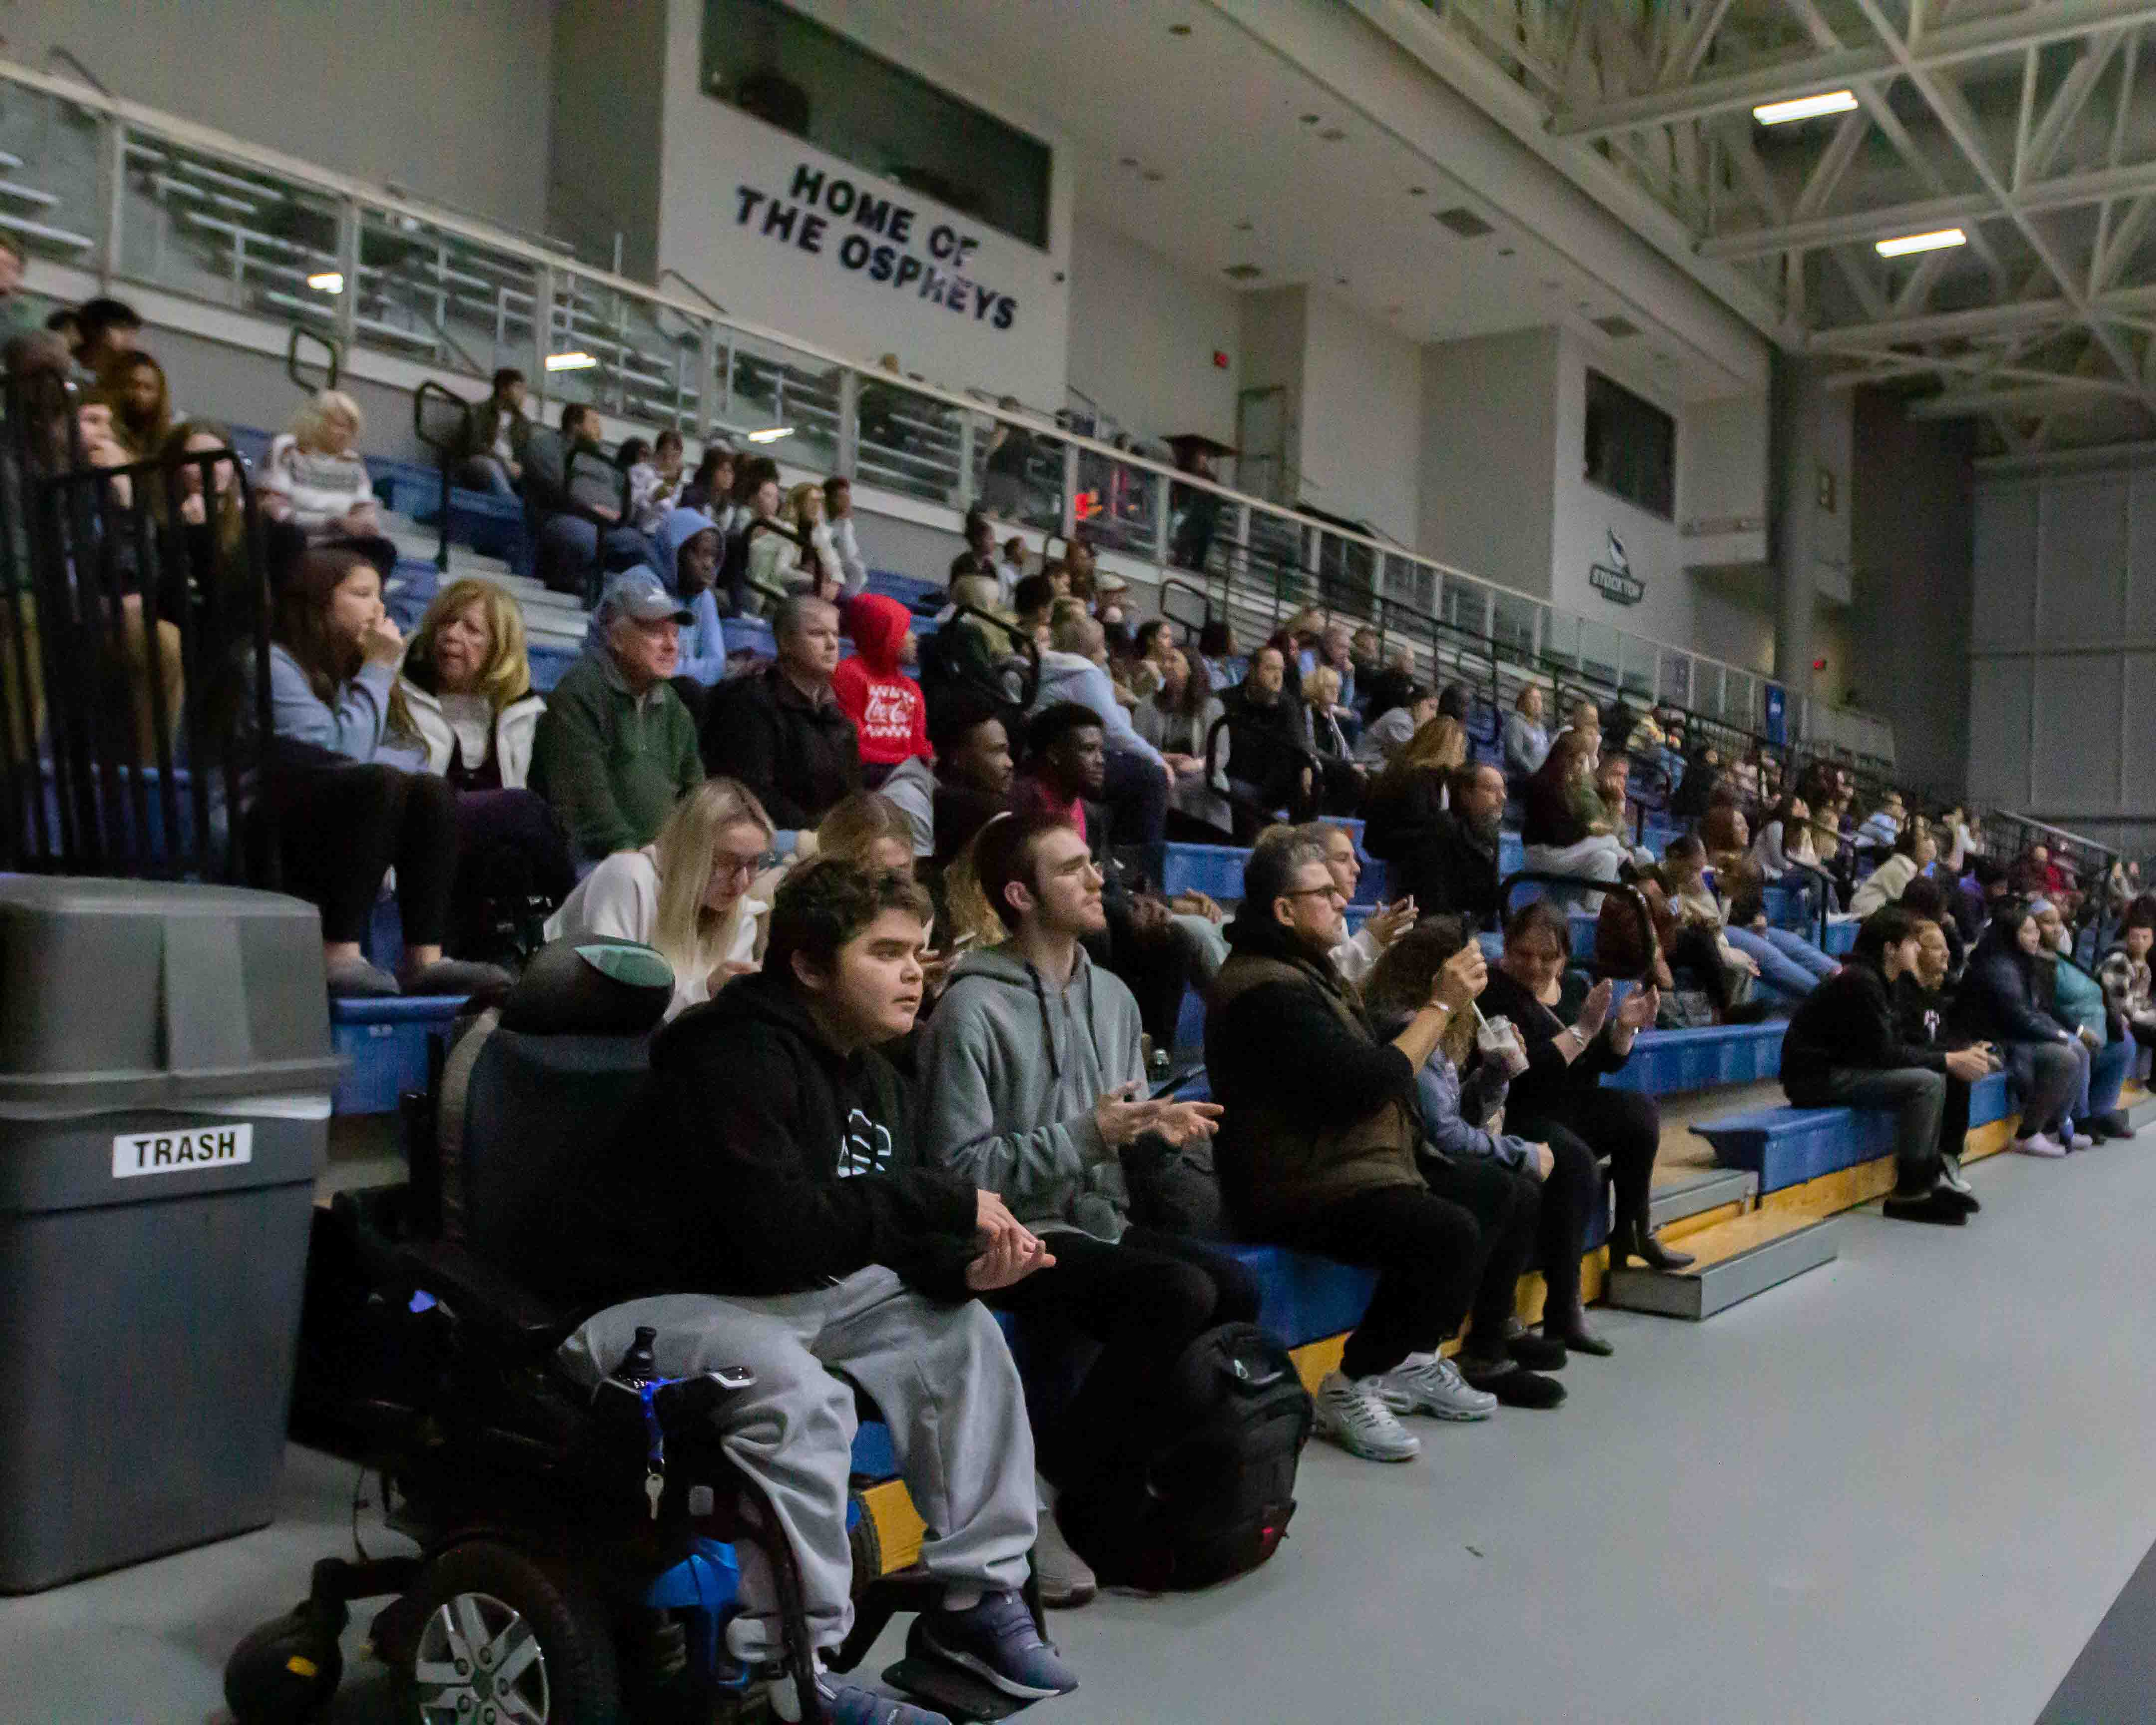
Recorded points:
(1787, 1147)
(749, 634)
(1664, 1061)
(383, 1043)
(1214, 869)
(548, 664)
(1840, 939)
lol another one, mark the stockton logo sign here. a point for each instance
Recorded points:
(878, 239)
(1614, 579)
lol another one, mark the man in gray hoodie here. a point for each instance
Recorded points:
(1034, 1084)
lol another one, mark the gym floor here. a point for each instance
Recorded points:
(1906, 1487)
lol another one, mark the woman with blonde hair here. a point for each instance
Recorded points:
(699, 894)
(313, 477)
(1559, 831)
(870, 831)
(1406, 811)
(466, 692)
(819, 564)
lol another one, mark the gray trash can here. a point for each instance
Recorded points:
(165, 1071)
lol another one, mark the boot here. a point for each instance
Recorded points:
(1631, 1239)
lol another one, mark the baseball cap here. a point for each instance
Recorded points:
(640, 594)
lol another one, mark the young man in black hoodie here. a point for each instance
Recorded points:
(779, 1221)
(1844, 1050)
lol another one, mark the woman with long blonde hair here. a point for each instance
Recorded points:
(1407, 824)
(699, 894)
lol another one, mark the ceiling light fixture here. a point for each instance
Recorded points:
(771, 433)
(329, 281)
(574, 362)
(1811, 107)
(1908, 242)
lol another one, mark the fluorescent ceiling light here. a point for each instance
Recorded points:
(578, 361)
(1811, 107)
(329, 281)
(1909, 242)
(770, 434)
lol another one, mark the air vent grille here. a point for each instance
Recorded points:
(1464, 222)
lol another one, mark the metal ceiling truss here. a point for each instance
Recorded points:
(2024, 123)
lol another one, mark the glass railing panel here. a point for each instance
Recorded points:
(909, 443)
(1412, 587)
(1597, 652)
(1346, 573)
(1740, 700)
(606, 347)
(1512, 621)
(1018, 474)
(215, 229)
(782, 403)
(1561, 638)
(1675, 684)
(421, 283)
(1200, 523)
(1635, 665)
(49, 206)
(1276, 553)
(1116, 504)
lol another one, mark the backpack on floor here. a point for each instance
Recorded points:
(1210, 1492)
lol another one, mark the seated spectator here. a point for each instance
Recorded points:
(972, 777)
(700, 893)
(1561, 829)
(467, 685)
(1150, 648)
(1525, 742)
(2076, 998)
(313, 477)
(1924, 1018)
(1010, 562)
(343, 785)
(2129, 985)
(1270, 764)
(212, 530)
(1317, 1151)
(1784, 855)
(1324, 705)
(779, 729)
(687, 549)
(1727, 836)
(1075, 670)
(777, 1219)
(1913, 852)
(1033, 601)
(1364, 649)
(105, 329)
(489, 449)
(884, 705)
(1405, 814)
(711, 488)
(1561, 1096)
(816, 566)
(578, 493)
(870, 831)
(1356, 955)
(655, 484)
(2046, 1057)
(1926, 899)
(1727, 973)
(1178, 720)
(1388, 734)
(1844, 1048)
(615, 748)
(977, 645)
(2036, 875)
(1789, 964)
(845, 544)
(1034, 1068)
(1882, 827)
(980, 556)
(133, 386)
(1695, 791)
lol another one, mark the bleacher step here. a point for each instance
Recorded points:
(1733, 1261)
(1695, 1192)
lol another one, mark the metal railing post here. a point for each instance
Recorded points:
(964, 499)
(543, 327)
(849, 422)
(1160, 521)
(1070, 490)
(112, 195)
(347, 305)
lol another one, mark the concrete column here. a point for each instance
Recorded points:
(1798, 392)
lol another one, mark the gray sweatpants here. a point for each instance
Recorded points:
(942, 1379)
(1917, 1098)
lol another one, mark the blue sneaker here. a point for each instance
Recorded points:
(997, 1641)
(845, 1705)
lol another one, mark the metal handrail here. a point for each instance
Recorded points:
(301, 333)
(444, 448)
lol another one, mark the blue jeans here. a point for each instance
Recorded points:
(2101, 1083)
(572, 559)
(484, 473)
(1789, 964)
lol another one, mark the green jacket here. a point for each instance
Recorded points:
(613, 764)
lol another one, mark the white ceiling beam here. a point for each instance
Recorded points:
(1947, 46)
(1689, 44)
(2061, 395)
(1918, 288)
(2067, 103)
(1832, 165)
(2065, 191)
(2012, 318)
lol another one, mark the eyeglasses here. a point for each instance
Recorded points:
(1328, 891)
(726, 863)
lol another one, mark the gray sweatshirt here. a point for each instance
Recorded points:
(1012, 1068)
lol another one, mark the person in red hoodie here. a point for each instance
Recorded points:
(890, 717)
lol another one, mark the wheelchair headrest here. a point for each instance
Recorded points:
(590, 988)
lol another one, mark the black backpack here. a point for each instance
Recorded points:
(1211, 1495)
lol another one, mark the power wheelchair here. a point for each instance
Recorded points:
(577, 1561)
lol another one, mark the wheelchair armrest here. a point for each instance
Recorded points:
(478, 1292)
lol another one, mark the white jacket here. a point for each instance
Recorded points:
(618, 901)
(513, 728)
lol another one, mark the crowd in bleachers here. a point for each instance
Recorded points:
(906, 872)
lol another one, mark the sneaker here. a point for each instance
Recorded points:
(2040, 1144)
(1948, 1208)
(1434, 1386)
(845, 1705)
(1514, 1386)
(1537, 1353)
(1352, 1412)
(997, 1641)
(1950, 1174)
(2075, 1139)
(1067, 1580)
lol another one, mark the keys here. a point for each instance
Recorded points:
(654, 1488)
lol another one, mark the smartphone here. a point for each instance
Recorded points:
(962, 942)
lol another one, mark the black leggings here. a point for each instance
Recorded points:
(1505, 1205)
(1144, 1300)
(1620, 1124)
(339, 829)
(1428, 1253)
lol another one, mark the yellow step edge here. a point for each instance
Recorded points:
(1742, 1234)
(1846, 1188)
(1699, 1221)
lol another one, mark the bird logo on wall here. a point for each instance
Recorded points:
(1614, 579)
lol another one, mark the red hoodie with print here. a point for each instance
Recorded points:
(891, 720)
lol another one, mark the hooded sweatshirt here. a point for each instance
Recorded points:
(773, 1165)
(1014, 1066)
(890, 717)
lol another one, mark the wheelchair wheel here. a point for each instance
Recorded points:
(506, 1639)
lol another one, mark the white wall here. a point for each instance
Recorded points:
(447, 98)
(1361, 420)
(1722, 460)
(607, 152)
(1143, 333)
(1272, 325)
(712, 150)
(1488, 455)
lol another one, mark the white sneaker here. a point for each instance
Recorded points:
(1951, 1176)
(2074, 1140)
(1354, 1415)
(1431, 1384)
(2040, 1144)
